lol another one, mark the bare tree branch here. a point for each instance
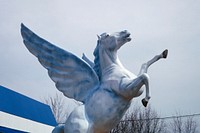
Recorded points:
(141, 121)
(57, 104)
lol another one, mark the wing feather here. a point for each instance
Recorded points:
(72, 76)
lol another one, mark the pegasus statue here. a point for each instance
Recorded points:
(105, 87)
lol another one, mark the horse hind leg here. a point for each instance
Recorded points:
(77, 121)
(144, 70)
(58, 129)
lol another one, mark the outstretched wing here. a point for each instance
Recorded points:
(72, 76)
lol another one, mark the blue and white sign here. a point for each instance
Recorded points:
(21, 114)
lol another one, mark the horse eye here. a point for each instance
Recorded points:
(107, 35)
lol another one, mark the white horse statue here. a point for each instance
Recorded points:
(104, 87)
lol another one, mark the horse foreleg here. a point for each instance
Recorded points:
(132, 88)
(145, 80)
(146, 65)
(144, 70)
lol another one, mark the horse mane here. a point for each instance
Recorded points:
(97, 66)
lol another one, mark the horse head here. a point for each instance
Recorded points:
(114, 41)
(106, 50)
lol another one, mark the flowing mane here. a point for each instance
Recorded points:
(97, 66)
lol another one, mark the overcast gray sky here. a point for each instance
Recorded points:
(72, 25)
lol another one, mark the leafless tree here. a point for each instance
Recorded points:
(151, 121)
(181, 124)
(177, 125)
(141, 121)
(57, 104)
(190, 125)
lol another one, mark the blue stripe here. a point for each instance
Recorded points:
(9, 130)
(17, 104)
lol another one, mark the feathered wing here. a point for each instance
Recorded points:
(71, 75)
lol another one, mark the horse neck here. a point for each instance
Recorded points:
(108, 59)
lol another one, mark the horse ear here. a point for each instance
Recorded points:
(98, 37)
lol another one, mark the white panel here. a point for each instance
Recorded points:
(22, 124)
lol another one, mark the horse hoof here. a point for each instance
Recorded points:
(144, 102)
(165, 53)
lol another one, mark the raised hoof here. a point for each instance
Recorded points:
(164, 53)
(144, 102)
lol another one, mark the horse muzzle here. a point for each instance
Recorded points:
(126, 36)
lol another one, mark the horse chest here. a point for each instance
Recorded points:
(108, 104)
